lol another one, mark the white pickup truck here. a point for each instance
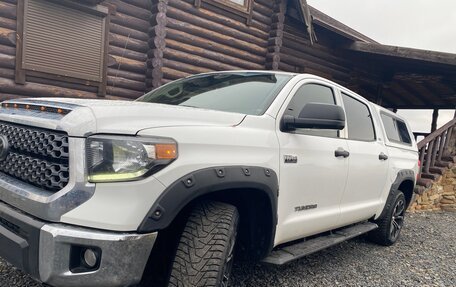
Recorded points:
(268, 165)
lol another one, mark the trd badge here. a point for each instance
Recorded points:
(305, 207)
(290, 159)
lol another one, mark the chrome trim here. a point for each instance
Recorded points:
(47, 205)
(74, 124)
(123, 259)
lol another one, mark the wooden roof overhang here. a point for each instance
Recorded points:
(409, 78)
(394, 77)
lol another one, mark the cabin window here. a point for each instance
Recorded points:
(242, 8)
(63, 40)
(239, 2)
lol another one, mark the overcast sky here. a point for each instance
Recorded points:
(421, 24)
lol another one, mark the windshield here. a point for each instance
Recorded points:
(247, 92)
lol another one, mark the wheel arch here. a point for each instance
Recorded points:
(253, 190)
(405, 182)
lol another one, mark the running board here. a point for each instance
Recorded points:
(292, 252)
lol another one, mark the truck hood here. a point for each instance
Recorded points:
(113, 117)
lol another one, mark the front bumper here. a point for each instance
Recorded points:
(49, 252)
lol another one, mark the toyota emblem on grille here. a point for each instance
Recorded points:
(4, 147)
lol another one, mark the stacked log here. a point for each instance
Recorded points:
(203, 39)
(128, 47)
(7, 42)
(157, 36)
(126, 61)
(297, 54)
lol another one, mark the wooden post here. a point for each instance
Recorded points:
(435, 117)
(20, 72)
(275, 41)
(379, 98)
(157, 44)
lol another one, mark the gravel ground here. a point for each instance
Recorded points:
(424, 256)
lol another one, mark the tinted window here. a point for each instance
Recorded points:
(359, 119)
(311, 93)
(247, 93)
(390, 128)
(403, 132)
(396, 130)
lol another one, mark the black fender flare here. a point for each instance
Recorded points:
(402, 175)
(205, 181)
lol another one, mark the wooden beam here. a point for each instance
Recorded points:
(19, 76)
(405, 53)
(421, 107)
(446, 92)
(397, 99)
(444, 98)
(435, 117)
(331, 24)
(379, 97)
(407, 93)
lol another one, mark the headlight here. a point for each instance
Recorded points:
(114, 158)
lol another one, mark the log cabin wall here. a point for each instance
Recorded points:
(126, 60)
(152, 42)
(128, 47)
(194, 37)
(325, 58)
(8, 87)
(299, 55)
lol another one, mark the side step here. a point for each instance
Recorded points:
(292, 252)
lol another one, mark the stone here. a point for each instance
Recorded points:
(452, 209)
(448, 188)
(447, 201)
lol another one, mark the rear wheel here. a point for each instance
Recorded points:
(391, 221)
(205, 252)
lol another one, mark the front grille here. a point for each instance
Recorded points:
(36, 156)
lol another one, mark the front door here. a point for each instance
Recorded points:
(312, 178)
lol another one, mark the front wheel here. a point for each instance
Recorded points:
(391, 221)
(204, 255)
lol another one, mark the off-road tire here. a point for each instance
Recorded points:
(204, 255)
(391, 220)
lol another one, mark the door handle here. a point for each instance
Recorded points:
(382, 156)
(341, 153)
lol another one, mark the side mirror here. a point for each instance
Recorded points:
(316, 116)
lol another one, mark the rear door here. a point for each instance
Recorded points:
(368, 162)
(312, 178)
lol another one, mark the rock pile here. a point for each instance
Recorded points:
(441, 196)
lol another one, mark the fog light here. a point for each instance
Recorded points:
(90, 258)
